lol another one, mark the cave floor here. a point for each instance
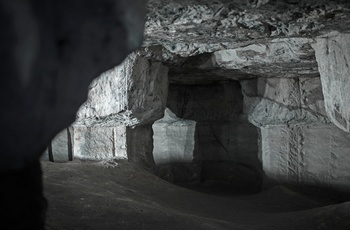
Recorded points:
(90, 195)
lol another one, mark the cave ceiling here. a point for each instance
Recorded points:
(202, 40)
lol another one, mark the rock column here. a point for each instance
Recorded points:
(333, 57)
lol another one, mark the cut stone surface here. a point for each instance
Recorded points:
(280, 58)
(235, 67)
(103, 142)
(99, 142)
(133, 93)
(173, 139)
(333, 57)
(61, 146)
(273, 101)
(45, 155)
(312, 96)
(306, 155)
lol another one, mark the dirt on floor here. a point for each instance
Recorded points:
(123, 195)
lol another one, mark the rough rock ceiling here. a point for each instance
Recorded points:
(192, 27)
(240, 39)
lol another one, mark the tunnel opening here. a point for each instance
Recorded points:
(225, 151)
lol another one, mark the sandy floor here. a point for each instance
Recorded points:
(86, 195)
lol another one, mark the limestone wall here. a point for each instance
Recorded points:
(299, 144)
(114, 122)
(333, 57)
(316, 155)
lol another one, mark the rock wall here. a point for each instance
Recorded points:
(333, 57)
(299, 144)
(306, 155)
(273, 101)
(264, 81)
(133, 93)
(114, 122)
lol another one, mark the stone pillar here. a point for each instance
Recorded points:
(333, 57)
(173, 139)
(60, 148)
(174, 148)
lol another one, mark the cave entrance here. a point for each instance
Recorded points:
(226, 149)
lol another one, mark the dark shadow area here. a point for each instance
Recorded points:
(324, 194)
(226, 149)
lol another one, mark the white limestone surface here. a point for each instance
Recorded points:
(137, 88)
(173, 139)
(275, 101)
(306, 155)
(333, 57)
(60, 146)
(99, 142)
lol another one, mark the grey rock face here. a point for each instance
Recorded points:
(173, 139)
(192, 27)
(133, 93)
(139, 143)
(99, 142)
(290, 56)
(306, 155)
(273, 101)
(298, 145)
(60, 148)
(221, 135)
(333, 57)
(174, 143)
(268, 63)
